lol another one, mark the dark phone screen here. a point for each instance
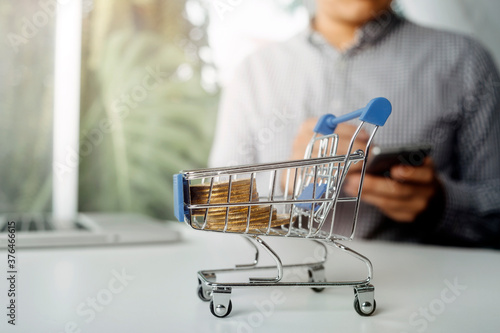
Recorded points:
(382, 159)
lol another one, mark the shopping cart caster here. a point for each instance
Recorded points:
(364, 302)
(220, 311)
(221, 305)
(205, 294)
(317, 274)
(204, 291)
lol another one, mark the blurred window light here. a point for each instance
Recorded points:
(26, 106)
(238, 28)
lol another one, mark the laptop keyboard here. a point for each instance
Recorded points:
(27, 222)
(88, 229)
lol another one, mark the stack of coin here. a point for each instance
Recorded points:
(240, 192)
(255, 223)
(236, 216)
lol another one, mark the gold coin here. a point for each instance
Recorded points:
(238, 182)
(236, 185)
(201, 193)
(240, 209)
(236, 212)
(240, 192)
(262, 218)
(236, 215)
(281, 219)
(243, 197)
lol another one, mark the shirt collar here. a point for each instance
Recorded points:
(368, 34)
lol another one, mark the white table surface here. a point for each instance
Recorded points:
(56, 288)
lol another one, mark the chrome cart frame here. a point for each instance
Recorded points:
(302, 208)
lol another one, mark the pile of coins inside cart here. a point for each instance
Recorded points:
(237, 216)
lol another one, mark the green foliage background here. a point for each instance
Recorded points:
(26, 101)
(170, 130)
(130, 167)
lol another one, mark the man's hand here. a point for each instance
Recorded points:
(402, 196)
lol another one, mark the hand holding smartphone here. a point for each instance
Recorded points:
(381, 159)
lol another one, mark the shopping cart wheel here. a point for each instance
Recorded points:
(364, 299)
(367, 309)
(220, 311)
(317, 274)
(220, 305)
(204, 294)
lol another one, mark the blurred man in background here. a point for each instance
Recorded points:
(441, 86)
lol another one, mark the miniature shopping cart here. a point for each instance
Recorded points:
(301, 200)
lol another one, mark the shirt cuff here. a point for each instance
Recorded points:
(457, 203)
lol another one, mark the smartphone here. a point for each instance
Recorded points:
(381, 159)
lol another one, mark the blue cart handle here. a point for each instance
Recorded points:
(375, 112)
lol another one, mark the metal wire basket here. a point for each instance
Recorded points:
(300, 201)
